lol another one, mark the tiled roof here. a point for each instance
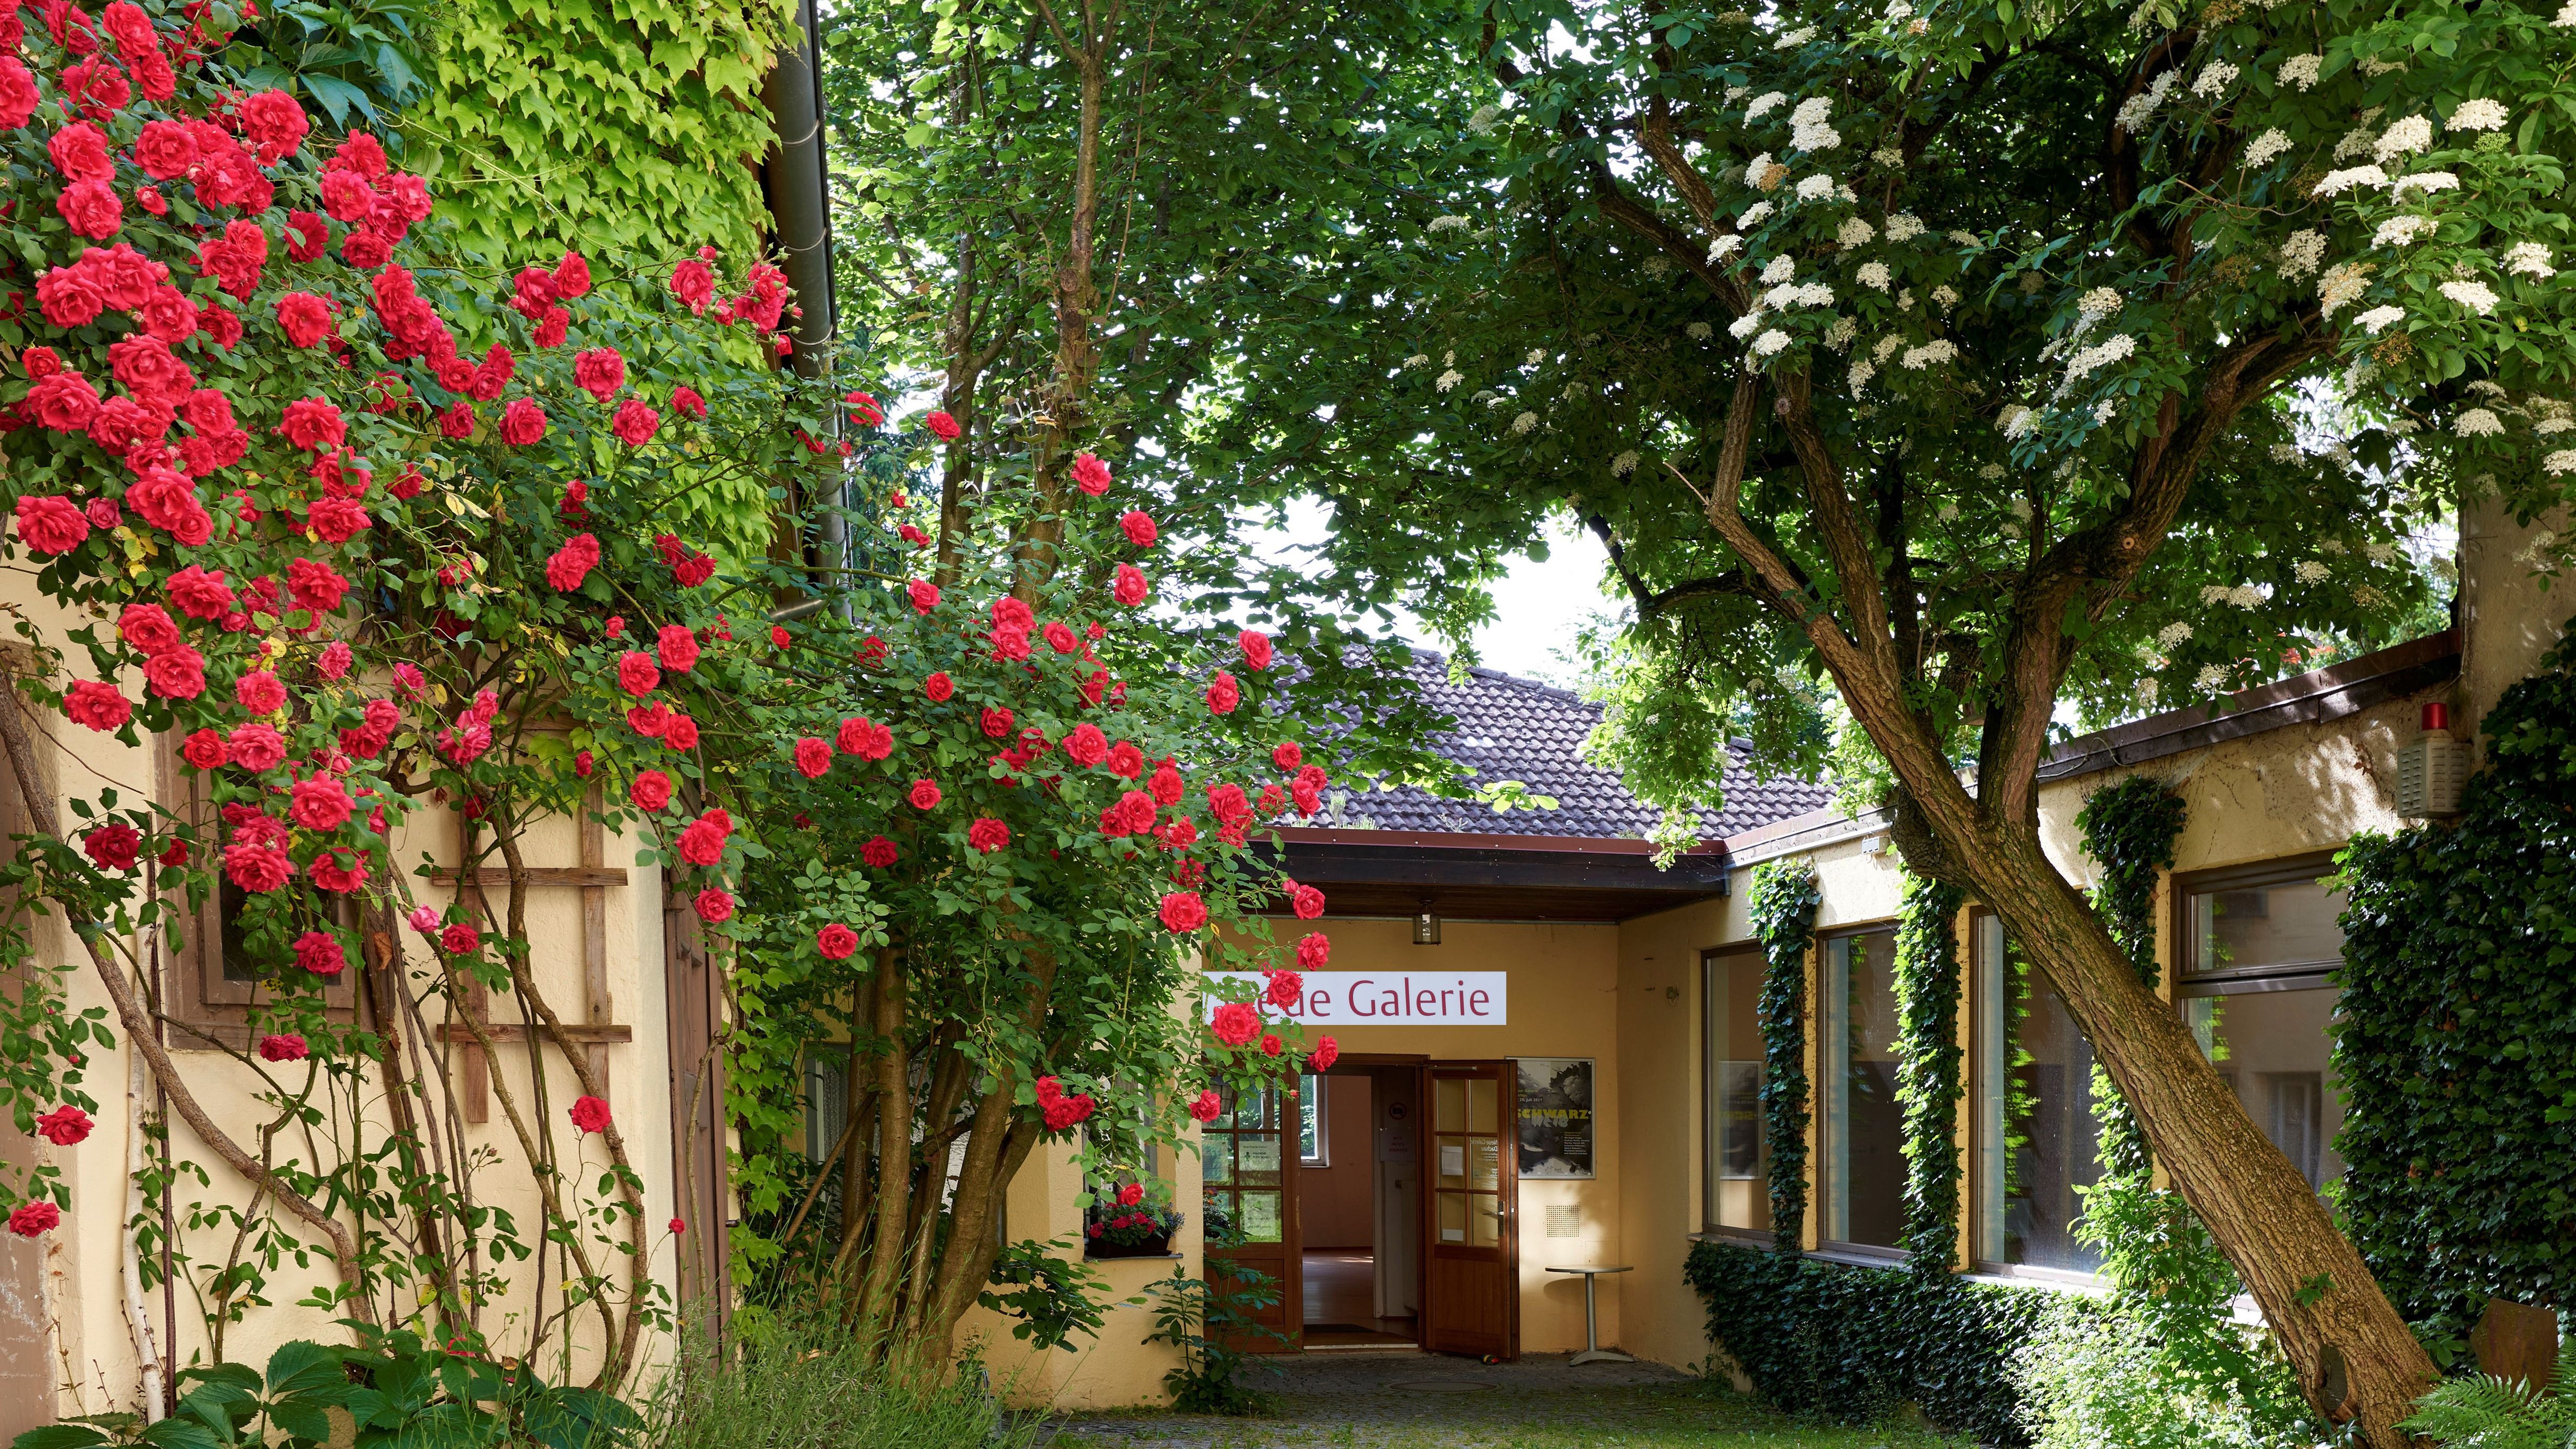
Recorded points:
(1509, 728)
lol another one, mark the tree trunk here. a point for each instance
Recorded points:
(2356, 1359)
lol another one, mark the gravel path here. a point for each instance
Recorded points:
(1409, 1400)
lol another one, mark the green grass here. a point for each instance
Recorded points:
(1695, 1415)
(816, 1387)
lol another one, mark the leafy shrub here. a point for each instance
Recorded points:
(2100, 1379)
(2481, 1411)
(799, 1381)
(1210, 1320)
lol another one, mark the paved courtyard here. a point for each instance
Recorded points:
(1409, 1400)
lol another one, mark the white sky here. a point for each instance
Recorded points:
(1539, 606)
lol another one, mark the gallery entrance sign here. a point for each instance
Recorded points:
(1393, 998)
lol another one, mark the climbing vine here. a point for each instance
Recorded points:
(1783, 908)
(2130, 827)
(1927, 1073)
(2455, 1045)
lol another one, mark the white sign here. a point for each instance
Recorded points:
(1400, 998)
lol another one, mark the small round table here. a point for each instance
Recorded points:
(1593, 1352)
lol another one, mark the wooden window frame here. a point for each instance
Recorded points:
(1709, 958)
(2306, 867)
(203, 1009)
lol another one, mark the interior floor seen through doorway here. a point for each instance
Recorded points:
(1357, 1204)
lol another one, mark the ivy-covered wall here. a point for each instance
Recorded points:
(1783, 905)
(635, 125)
(1927, 1074)
(2456, 1045)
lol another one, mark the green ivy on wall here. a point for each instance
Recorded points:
(1857, 1344)
(635, 125)
(2455, 1042)
(1782, 904)
(2130, 827)
(1927, 1070)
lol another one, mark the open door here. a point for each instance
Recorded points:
(1470, 1239)
(1248, 1161)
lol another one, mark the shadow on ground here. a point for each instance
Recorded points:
(1409, 1400)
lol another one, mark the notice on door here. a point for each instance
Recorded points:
(1379, 998)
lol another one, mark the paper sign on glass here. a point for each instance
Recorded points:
(1453, 1159)
(1257, 1154)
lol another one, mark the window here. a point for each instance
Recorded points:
(1736, 1194)
(2256, 946)
(1314, 1141)
(1239, 1168)
(1864, 1132)
(827, 1099)
(2036, 1140)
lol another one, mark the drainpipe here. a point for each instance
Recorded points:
(796, 177)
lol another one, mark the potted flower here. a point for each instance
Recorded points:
(1132, 1220)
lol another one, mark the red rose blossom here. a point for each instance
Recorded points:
(65, 1126)
(813, 758)
(1313, 950)
(942, 426)
(987, 835)
(925, 795)
(714, 906)
(1183, 911)
(1129, 587)
(677, 647)
(459, 938)
(34, 1219)
(836, 942)
(879, 852)
(319, 952)
(588, 1114)
(1235, 1023)
(286, 1047)
(651, 790)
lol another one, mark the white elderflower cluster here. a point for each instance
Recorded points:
(2484, 387)
(1795, 38)
(2399, 231)
(2566, 15)
(2172, 636)
(1748, 324)
(2413, 134)
(2100, 302)
(1624, 464)
(2285, 452)
(2108, 350)
(1862, 370)
(1526, 422)
(2380, 553)
(2138, 109)
(2214, 79)
(2478, 423)
(1448, 223)
(1416, 360)
(1990, 472)
(1779, 269)
(1903, 227)
(1764, 174)
(1840, 335)
(2335, 183)
(2210, 677)
(1899, 10)
(1855, 233)
(1938, 350)
(2243, 596)
(2550, 415)
(2529, 259)
(1807, 128)
(1481, 120)
(2482, 114)
(1754, 216)
(2342, 285)
(2427, 182)
(1658, 266)
(1888, 156)
(2559, 463)
(1764, 104)
(1447, 380)
(1534, 357)
(2310, 571)
(2478, 297)
(2374, 67)
(2378, 319)
(1699, 332)
(2300, 70)
(1905, 299)
(2368, 597)
(2147, 689)
(2017, 421)
(1968, 239)
(1724, 247)
(2332, 547)
(2266, 148)
(1945, 297)
(1771, 343)
(1816, 187)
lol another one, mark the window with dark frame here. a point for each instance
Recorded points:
(1861, 1179)
(2254, 946)
(2034, 1143)
(209, 988)
(1736, 1160)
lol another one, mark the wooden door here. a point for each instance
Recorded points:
(1248, 1162)
(694, 1005)
(1470, 1243)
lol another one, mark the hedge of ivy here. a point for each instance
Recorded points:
(2456, 1045)
(1855, 1343)
(1783, 903)
(1927, 1071)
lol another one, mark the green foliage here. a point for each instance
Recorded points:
(2102, 1381)
(394, 1392)
(358, 62)
(800, 1381)
(608, 125)
(2481, 1411)
(1054, 1295)
(2455, 1037)
(1927, 1074)
(1855, 1343)
(1211, 1321)
(2130, 827)
(1782, 905)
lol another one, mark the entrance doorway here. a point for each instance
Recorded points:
(1359, 1199)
